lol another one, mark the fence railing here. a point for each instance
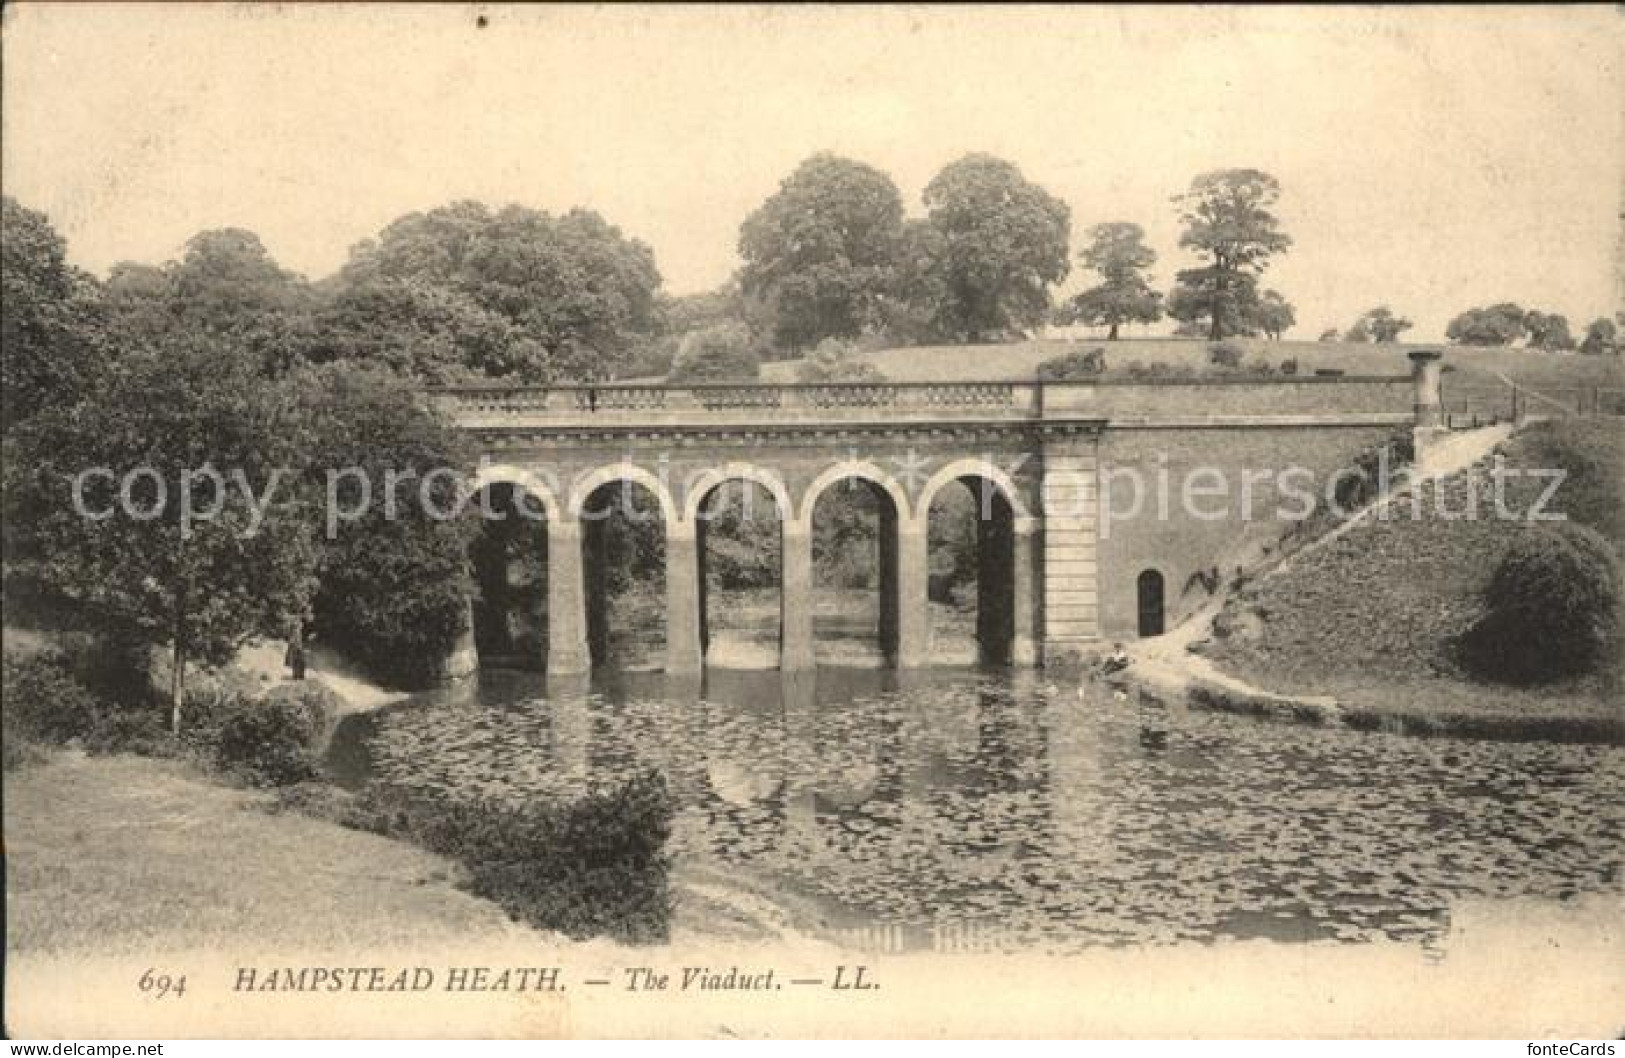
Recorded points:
(1483, 403)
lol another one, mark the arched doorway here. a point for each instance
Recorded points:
(739, 542)
(971, 567)
(508, 559)
(623, 542)
(854, 528)
(1150, 594)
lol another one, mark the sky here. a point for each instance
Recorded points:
(1430, 158)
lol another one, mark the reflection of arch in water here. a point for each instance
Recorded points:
(752, 494)
(994, 510)
(842, 635)
(624, 512)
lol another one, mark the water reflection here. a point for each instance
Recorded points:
(996, 803)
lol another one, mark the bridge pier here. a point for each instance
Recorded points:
(908, 598)
(796, 599)
(567, 653)
(1023, 643)
(685, 652)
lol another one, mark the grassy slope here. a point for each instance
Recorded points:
(1372, 618)
(1020, 360)
(119, 854)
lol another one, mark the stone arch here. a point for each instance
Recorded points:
(768, 479)
(585, 485)
(975, 468)
(508, 474)
(864, 471)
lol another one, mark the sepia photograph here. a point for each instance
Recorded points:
(801, 522)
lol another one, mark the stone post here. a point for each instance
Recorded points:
(567, 653)
(683, 650)
(1425, 379)
(796, 599)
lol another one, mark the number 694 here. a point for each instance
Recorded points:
(158, 985)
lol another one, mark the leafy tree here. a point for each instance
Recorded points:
(575, 290)
(1273, 314)
(51, 327)
(424, 332)
(1230, 226)
(392, 582)
(836, 361)
(722, 353)
(1119, 254)
(823, 249)
(1379, 325)
(995, 243)
(1547, 330)
(1601, 337)
(1206, 301)
(1499, 324)
(144, 573)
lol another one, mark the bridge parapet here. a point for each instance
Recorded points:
(902, 403)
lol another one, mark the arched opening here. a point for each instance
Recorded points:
(854, 552)
(970, 533)
(508, 556)
(623, 542)
(1149, 592)
(740, 544)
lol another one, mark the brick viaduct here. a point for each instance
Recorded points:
(1057, 571)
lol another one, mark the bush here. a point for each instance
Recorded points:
(1551, 608)
(834, 360)
(1224, 355)
(593, 867)
(45, 701)
(721, 353)
(1078, 364)
(1355, 491)
(1261, 367)
(269, 741)
(1289, 366)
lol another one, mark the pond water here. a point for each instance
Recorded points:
(1005, 811)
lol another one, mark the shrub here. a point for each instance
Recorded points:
(268, 741)
(1551, 608)
(1355, 491)
(1078, 364)
(45, 701)
(1261, 367)
(1224, 355)
(594, 866)
(721, 353)
(834, 360)
(1289, 366)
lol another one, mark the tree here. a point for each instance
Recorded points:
(1273, 315)
(1230, 227)
(1119, 254)
(142, 569)
(1330, 335)
(1207, 302)
(836, 361)
(996, 244)
(572, 287)
(424, 332)
(1547, 330)
(1379, 325)
(393, 585)
(721, 353)
(1601, 337)
(1499, 324)
(51, 329)
(823, 249)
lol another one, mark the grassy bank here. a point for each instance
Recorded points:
(1375, 617)
(123, 854)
